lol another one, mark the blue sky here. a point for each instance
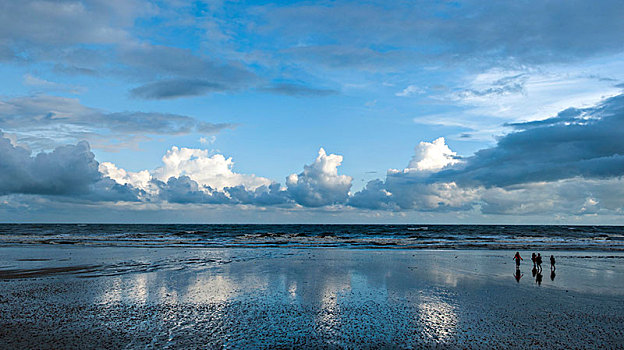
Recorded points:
(312, 111)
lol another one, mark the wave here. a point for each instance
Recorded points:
(609, 238)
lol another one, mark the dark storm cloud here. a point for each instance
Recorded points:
(577, 142)
(297, 90)
(69, 170)
(66, 170)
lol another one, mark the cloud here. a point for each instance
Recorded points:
(374, 196)
(187, 176)
(319, 184)
(212, 171)
(410, 188)
(69, 170)
(141, 179)
(33, 81)
(410, 191)
(467, 31)
(570, 163)
(410, 90)
(577, 142)
(66, 170)
(349, 56)
(181, 73)
(66, 119)
(505, 85)
(432, 156)
(193, 176)
(264, 195)
(95, 37)
(185, 190)
(297, 90)
(489, 101)
(575, 196)
(68, 22)
(157, 60)
(175, 88)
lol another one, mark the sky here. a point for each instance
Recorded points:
(312, 111)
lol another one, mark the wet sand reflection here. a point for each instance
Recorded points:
(245, 298)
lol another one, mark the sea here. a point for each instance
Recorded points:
(514, 237)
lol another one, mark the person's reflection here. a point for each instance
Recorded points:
(518, 275)
(538, 278)
(534, 271)
(552, 275)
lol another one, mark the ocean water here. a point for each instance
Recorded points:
(551, 237)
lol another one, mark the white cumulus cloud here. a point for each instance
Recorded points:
(139, 179)
(431, 156)
(319, 184)
(213, 171)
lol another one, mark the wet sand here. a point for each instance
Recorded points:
(116, 297)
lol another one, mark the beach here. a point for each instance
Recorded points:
(72, 296)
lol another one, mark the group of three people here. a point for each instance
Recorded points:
(536, 259)
(537, 267)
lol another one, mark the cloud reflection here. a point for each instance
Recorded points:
(438, 319)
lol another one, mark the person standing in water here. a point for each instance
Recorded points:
(552, 263)
(538, 260)
(517, 258)
(533, 259)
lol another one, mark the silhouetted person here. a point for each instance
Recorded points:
(518, 275)
(534, 271)
(538, 278)
(517, 258)
(552, 275)
(552, 263)
(538, 261)
(533, 260)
